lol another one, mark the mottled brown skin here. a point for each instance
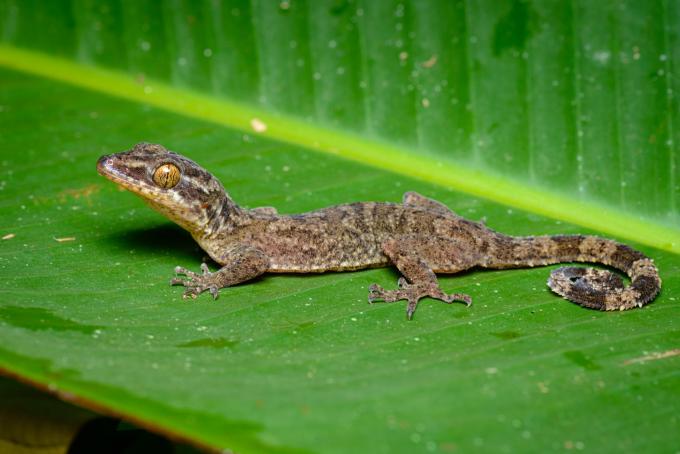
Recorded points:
(420, 236)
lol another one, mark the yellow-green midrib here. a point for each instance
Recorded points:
(347, 145)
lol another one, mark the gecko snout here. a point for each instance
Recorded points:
(101, 164)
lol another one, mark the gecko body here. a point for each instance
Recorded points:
(420, 237)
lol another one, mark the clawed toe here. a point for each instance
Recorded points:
(195, 289)
(463, 298)
(190, 293)
(377, 293)
(186, 272)
(411, 308)
(453, 297)
(403, 283)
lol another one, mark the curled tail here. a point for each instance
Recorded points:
(589, 287)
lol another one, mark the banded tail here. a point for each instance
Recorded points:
(588, 287)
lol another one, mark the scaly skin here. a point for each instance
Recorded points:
(420, 236)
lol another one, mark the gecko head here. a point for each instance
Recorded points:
(171, 184)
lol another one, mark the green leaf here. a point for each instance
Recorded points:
(554, 118)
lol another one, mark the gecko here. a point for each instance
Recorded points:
(420, 236)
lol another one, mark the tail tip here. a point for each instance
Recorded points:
(588, 287)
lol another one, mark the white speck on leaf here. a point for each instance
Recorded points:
(258, 125)
(602, 56)
(430, 62)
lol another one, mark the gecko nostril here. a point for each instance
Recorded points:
(574, 279)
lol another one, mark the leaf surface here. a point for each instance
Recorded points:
(294, 363)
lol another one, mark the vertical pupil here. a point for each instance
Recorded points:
(166, 176)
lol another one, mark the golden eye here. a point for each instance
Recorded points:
(166, 176)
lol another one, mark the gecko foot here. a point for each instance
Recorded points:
(413, 293)
(196, 283)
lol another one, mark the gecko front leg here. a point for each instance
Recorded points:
(416, 258)
(242, 264)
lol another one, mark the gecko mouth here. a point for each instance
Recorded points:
(124, 176)
(106, 168)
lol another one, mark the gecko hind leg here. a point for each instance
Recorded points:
(419, 281)
(413, 294)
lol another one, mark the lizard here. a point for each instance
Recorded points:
(420, 236)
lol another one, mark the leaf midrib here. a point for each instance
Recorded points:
(397, 159)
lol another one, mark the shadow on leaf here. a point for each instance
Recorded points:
(165, 239)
